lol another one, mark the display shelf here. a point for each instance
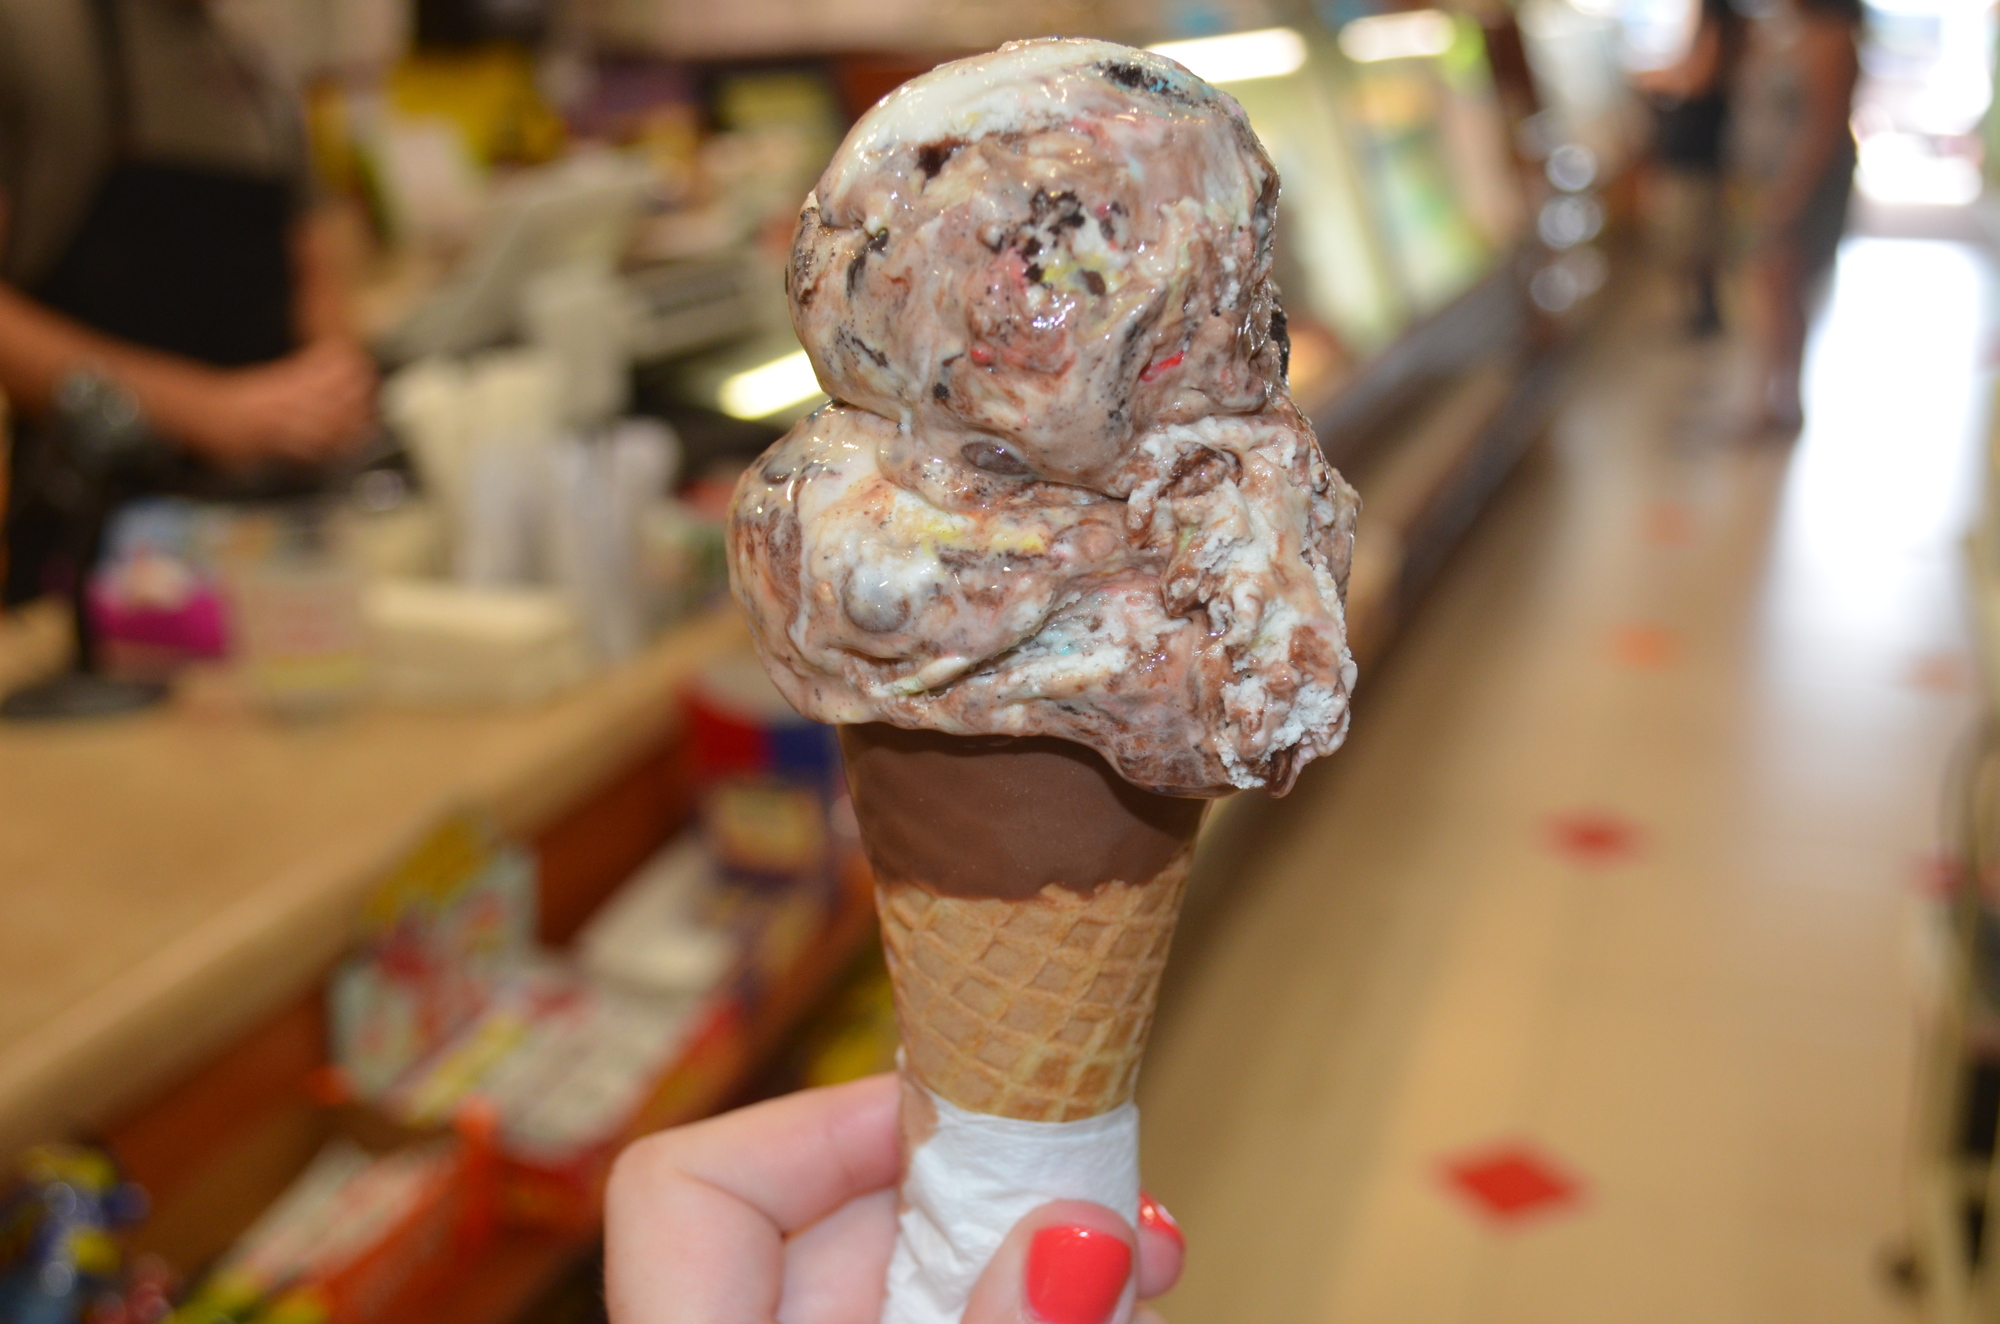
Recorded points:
(519, 1266)
(174, 879)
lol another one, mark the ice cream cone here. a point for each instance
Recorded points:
(1028, 896)
(1036, 1009)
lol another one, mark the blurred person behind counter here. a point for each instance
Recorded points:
(163, 273)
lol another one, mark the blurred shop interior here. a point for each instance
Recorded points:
(386, 842)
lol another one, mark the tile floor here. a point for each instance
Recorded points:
(1618, 889)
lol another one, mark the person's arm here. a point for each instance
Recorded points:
(39, 347)
(307, 406)
(321, 308)
(1830, 68)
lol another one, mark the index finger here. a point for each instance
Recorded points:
(696, 1217)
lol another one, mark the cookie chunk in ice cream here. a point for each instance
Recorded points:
(1062, 489)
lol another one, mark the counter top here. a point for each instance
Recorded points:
(168, 880)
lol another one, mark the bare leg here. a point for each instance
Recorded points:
(1705, 247)
(1687, 222)
(1781, 283)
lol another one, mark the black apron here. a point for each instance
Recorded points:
(190, 260)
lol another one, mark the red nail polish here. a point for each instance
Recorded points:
(1154, 1215)
(1076, 1275)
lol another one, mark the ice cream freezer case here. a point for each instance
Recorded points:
(1400, 186)
(1406, 252)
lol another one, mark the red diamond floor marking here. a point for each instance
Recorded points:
(1940, 673)
(1513, 1182)
(1595, 837)
(1669, 524)
(1937, 875)
(1645, 647)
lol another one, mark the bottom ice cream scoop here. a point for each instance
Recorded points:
(1191, 632)
(1003, 817)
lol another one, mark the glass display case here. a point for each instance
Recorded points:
(1417, 98)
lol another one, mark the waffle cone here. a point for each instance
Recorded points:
(1035, 1009)
(1028, 897)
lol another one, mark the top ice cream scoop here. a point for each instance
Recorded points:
(1057, 246)
(1063, 490)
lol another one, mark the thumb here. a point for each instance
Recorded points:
(1068, 1262)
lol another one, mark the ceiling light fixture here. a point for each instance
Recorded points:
(1239, 56)
(1419, 33)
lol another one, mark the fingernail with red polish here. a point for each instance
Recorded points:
(1154, 1215)
(1076, 1275)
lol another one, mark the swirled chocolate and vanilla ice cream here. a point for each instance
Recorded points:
(1062, 489)
(1063, 561)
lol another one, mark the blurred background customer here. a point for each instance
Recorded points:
(1803, 210)
(1691, 110)
(164, 277)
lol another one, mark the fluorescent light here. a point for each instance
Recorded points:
(764, 390)
(1240, 56)
(1421, 32)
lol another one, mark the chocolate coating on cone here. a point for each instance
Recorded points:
(1006, 816)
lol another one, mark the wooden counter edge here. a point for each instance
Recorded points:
(109, 1051)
